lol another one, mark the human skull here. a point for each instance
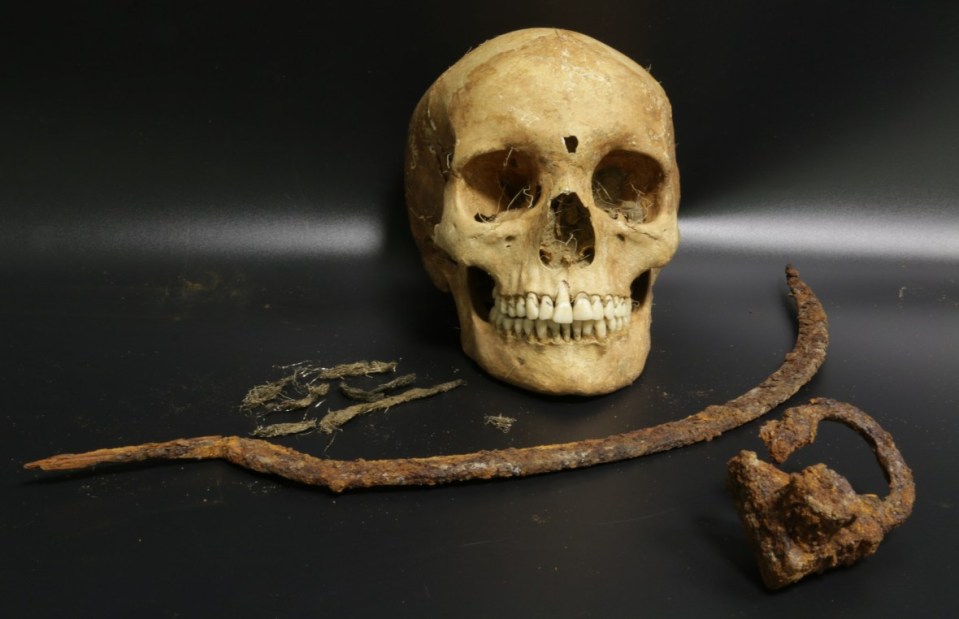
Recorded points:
(542, 192)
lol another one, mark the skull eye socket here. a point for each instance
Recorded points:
(501, 182)
(627, 183)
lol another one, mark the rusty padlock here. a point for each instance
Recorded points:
(807, 522)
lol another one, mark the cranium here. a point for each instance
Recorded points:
(542, 191)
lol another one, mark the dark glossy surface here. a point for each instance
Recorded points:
(191, 195)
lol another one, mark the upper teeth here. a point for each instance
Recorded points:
(550, 318)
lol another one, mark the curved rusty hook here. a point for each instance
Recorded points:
(807, 522)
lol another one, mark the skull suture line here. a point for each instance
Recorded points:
(542, 191)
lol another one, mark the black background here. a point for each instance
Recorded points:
(192, 193)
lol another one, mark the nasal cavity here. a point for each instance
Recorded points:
(568, 238)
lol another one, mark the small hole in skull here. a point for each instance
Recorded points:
(480, 286)
(639, 289)
(571, 143)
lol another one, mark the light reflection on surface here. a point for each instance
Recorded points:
(243, 234)
(925, 236)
